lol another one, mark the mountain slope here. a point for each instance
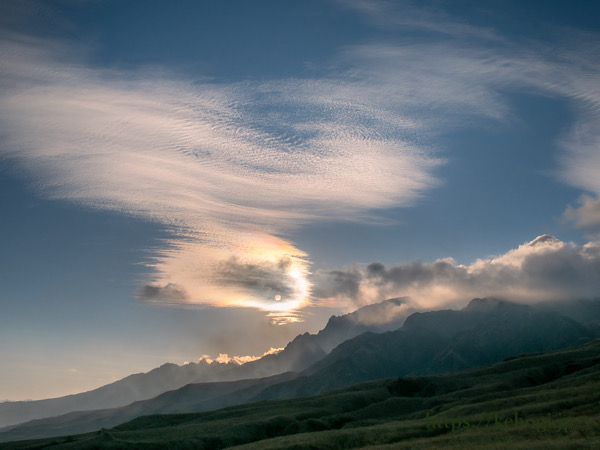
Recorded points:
(485, 331)
(307, 348)
(119, 393)
(190, 398)
(584, 311)
(303, 351)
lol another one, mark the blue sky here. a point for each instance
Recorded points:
(194, 178)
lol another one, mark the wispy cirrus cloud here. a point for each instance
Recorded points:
(586, 216)
(457, 83)
(430, 17)
(227, 168)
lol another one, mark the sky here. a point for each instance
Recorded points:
(190, 178)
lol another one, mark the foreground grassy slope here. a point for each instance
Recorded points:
(539, 401)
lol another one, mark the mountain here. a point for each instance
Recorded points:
(307, 349)
(533, 401)
(303, 351)
(484, 332)
(585, 311)
(377, 318)
(119, 393)
(193, 397)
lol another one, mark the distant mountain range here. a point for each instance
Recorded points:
(484, 332)
(303, 351)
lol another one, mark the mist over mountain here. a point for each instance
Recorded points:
(307, 348)
(303, 351)
(486, 331)
(585, 311)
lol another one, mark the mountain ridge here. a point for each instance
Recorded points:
(489, 333)
(301, 352)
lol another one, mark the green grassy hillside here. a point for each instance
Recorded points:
(537, 401)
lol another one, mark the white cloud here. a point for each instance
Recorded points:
(224, 358)
(429, 17)
(587, 215)
(464, 76)
(541, 270)
(453, 83)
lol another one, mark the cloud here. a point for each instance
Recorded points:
(390, 311)
(587, 215)
(231, 168)
(338, 283)
(581, 163)
(226, 168)
(404, 15)
(581, 159)
(461, 83)
(280, 281)
(224, 358)
(543, 269)
(464, 72)
(171, 293)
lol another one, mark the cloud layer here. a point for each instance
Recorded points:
(224, 358)
(541, 270)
